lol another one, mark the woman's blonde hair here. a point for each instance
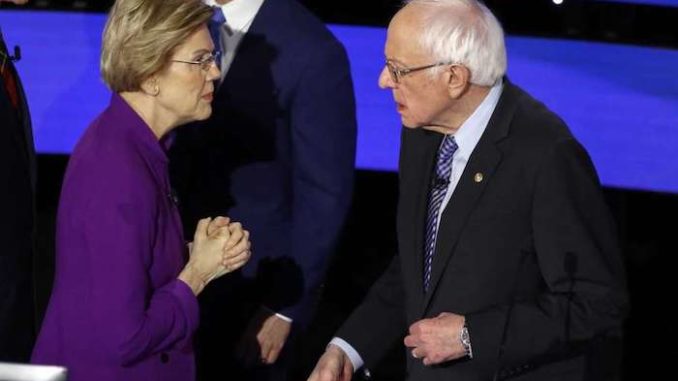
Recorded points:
(141, 35)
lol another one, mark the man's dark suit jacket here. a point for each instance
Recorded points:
(530, 246)
(17, 184)
(277, 155)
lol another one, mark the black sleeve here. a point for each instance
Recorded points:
(379, 320)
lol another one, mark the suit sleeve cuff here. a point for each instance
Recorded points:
(279, 315)
(352, 354)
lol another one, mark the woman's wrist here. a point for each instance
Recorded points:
(193, 279)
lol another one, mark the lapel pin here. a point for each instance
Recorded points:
(478, 177)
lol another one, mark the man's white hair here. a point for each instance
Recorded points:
(467, 33)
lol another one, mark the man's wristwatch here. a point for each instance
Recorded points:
(465, 339)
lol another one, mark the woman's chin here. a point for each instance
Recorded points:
(204, 113)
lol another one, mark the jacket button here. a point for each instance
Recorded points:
(164, 358)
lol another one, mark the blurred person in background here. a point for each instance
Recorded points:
(17, 213)
(278, 154)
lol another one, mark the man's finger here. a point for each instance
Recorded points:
(419, 327)
(412, 341)
(265, 347)
(272, 356)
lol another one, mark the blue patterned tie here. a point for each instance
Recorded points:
(215, 24)
(437, 191)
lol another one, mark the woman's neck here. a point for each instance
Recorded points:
(150, 112)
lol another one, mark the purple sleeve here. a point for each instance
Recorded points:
(168, 322)
(114, 222)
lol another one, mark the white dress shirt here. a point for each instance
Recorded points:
(239, 15)
(466, 137)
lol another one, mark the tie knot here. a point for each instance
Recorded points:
(448, 147)
(445, 154)
(218, 15)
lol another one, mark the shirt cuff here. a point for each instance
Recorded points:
(281, 316)
(352, 354)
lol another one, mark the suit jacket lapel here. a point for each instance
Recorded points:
(484, 160)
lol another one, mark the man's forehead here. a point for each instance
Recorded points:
(407, 24)
(403, 42)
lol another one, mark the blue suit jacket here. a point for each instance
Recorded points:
(278, 155)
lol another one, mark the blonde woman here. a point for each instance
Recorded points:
(124, 301)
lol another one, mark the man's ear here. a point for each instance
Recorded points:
(459, 80)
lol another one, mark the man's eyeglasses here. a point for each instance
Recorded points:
(205, 63)
(397, 73)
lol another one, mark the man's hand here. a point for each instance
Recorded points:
(436, 340)
(264, 338)
(334, 365)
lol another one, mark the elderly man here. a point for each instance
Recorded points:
(508, 261)
(17, 186)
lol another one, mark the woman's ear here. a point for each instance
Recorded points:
(151, 86)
